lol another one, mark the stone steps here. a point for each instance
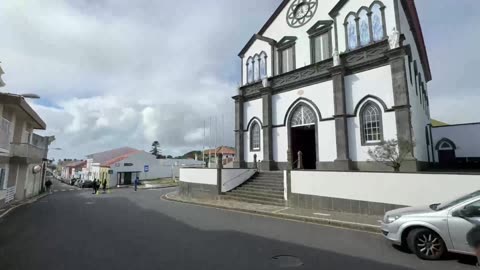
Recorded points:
(258, 193)
(263, 188)
(250, 200)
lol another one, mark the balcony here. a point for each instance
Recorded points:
(28, 151)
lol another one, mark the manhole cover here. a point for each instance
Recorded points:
(287, 261)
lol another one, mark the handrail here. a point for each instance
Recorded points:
(248, 170)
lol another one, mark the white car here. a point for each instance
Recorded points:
(431, 231)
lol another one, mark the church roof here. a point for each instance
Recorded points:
(252, 40)
(108, 156)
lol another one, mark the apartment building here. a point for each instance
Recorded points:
(23, 154)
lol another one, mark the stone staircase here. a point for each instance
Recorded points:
(263, 188)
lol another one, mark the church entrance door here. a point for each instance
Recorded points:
(303, 136)
(303, 139)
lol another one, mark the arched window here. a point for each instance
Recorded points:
(255, 136)
(256, 68)
(351, 28)
(377, 22)
(371, 123)
(303, 116)
(250, 70)
(263, 65)
(364, 27)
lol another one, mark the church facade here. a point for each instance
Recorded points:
(332, 79)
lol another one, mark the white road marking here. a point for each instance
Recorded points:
(64, 190)
(322, 214)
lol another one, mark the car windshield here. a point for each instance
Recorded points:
(448, 204)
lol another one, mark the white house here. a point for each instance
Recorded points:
(146, 166)
(332, 79)
(457, 146)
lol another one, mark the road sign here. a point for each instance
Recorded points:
(146, 168)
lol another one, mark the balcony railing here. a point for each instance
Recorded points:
(26, 150)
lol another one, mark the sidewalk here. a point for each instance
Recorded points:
(324, 217)
(11, 206)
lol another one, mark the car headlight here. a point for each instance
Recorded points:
(390, 219)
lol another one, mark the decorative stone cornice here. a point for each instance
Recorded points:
(362, 59)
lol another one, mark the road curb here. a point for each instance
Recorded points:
(29, 201)
(157, 187)
(321, 221)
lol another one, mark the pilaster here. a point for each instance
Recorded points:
(239, 161)
(267, 163)
(343, 161)
(402, 106)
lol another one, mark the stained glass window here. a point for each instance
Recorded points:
(303, 116)
(250, 70)
(256, 68)
(263, 65)
(377, 23)
(352, 32)
(371, 123)
(364, 28)
(255, 136)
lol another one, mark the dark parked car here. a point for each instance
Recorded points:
(87, 184)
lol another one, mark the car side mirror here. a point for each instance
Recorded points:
(457, 213)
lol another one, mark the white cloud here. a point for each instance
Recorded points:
(125, 73)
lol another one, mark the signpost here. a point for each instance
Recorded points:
(146, 168)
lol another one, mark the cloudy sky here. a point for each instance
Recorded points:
(125, 73)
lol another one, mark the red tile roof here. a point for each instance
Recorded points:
(225, 150)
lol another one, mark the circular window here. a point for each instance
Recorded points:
(301, 12)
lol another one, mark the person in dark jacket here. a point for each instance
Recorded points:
(104, 185)
(136, 183)
(48, 184)
(95, 186)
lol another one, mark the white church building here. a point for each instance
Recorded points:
(333, 79)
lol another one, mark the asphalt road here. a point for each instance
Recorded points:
(128, 230)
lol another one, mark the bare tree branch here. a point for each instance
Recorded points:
(392, 153)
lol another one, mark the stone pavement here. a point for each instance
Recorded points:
(324, 217)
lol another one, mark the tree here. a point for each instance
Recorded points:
(392, 153)
(156, 150)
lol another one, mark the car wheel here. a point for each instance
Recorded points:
(426, 244)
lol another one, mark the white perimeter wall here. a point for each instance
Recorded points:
(400, 189)
(376, 82)
(465, 138)
(199, 176)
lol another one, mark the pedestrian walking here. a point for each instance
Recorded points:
(136, 182)
(104, 185)
(94, 186)
(48, 185)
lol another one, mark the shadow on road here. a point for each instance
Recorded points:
(114, 233)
